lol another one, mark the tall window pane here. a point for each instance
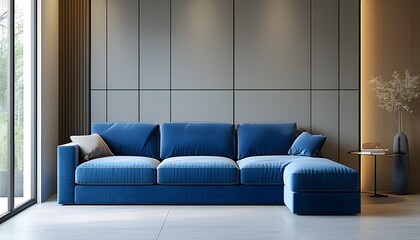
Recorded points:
(23, 99)
(4, 175)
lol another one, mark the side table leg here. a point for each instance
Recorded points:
(360, 173)
(375, 194)
(375, 179)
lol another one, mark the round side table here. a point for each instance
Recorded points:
(375, 155)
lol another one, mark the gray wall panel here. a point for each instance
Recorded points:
(123, 105)
(349, 126)
(123, 44)
(98, 106)
(154, 44)
(272, 106)
(186, 51)
(325, 120)
(154, 106)
(202, 44)
(272, 44)
(98, 44)
(325, 44)
(349, 44)
(202, 106)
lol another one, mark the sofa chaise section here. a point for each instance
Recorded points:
(321, 186)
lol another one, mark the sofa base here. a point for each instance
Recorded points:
(161, 194)
(322, 202)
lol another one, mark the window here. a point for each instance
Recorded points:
(17, 105)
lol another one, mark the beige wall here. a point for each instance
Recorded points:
(390, 39)
(47, 109)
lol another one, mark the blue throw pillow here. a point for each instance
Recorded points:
(307, 144)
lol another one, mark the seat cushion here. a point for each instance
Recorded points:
(130, 138)
(260, 139)
(118, 170)
(310, 174)
(264, 170)
(197, 139)
(198, 170)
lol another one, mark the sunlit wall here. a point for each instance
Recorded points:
(390, 41)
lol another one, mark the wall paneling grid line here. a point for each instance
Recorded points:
(310, 66)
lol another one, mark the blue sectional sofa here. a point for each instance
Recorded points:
(205, 163)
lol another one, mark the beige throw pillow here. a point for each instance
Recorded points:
(92, 146)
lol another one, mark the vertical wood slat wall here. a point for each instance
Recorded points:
(74, 68)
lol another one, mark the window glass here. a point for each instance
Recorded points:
(23, 100)
(4, 175)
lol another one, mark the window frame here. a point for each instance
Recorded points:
(12, 209)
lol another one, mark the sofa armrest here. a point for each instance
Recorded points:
(67, 161)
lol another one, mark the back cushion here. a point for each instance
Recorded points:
(197, 139)
(258, 139)
(130, 139)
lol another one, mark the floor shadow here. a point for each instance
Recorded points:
(390, 199)
(393, 205)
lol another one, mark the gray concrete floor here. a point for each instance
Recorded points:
(395, 217)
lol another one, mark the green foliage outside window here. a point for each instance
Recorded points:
(19, 86)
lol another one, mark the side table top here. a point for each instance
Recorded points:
(360, 152)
